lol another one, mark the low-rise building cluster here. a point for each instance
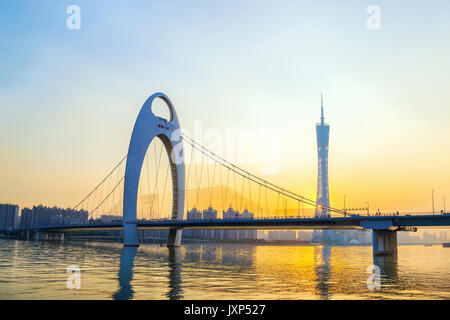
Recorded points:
(219, 234)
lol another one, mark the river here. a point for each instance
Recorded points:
(39, 270)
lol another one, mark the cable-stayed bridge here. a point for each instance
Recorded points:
(159, 180)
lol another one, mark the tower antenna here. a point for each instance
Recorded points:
(322, 120)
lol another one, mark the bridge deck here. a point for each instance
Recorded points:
(341, 223)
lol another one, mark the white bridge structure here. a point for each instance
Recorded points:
(148, 127)
(210, 183)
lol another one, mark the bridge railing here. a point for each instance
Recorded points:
(349, 215)
(399, 213)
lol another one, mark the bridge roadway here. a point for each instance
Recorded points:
(338, 223)
(384, 228)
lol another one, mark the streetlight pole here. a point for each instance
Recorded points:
(285, 208)
(443, 198)
(345, 214)
(432, 199)
(367, 207)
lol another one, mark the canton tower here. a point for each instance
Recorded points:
(323, 195)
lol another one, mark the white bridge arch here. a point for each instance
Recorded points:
(147, 127)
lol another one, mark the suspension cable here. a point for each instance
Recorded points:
(254, 178)
(109, 174)
(107, 196)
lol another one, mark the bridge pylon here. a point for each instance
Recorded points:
(147, 127)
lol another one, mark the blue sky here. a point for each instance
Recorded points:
(69, 98)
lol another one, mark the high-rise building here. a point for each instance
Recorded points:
(193, 214)
(323, 194)
(26, 217)
(247, 234)
(45, 216)
(220, 234)
(209, 214)
(9, 216)
(230, 214)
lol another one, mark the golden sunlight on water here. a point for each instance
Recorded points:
(37, 270)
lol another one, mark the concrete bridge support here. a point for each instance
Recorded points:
(56, 236)
(174, 238)
(384, 242)
(36, 235)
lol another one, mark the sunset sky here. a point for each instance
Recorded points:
(69, 98)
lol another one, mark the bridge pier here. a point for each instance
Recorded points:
(174, 238)
(36, 235)
(130, 234)
(384, 242)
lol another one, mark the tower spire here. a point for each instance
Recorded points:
(322, 120)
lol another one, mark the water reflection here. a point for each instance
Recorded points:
(33, 270)
(240, 256)
(323, 271)
(388, 268)
(241, 260)
(209, 253)
(175, 289)
(225, 254)
(126, 291)
(126, 271)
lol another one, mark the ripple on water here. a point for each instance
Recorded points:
(38, 270)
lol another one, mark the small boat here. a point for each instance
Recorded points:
(446, 245)
(428, 245)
